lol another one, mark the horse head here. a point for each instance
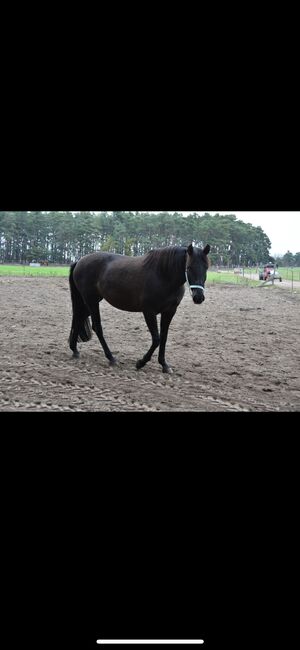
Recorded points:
(196, 271)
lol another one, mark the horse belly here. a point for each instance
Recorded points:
(125, 300)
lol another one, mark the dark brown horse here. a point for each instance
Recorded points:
(152, 284)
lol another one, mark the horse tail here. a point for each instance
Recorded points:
(81, 327)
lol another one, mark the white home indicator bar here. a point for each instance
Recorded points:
(150, 641)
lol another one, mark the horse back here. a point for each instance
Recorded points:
(125, 282)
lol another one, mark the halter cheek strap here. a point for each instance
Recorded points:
(192, 286)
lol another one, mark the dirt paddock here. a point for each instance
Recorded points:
(239, 351)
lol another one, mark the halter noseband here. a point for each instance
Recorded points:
(192, 286)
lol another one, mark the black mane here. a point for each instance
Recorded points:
(166, 261)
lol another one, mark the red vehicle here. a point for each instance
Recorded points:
(268, 272)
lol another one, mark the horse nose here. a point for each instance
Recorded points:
(199, 298)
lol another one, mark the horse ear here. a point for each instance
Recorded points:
(206, 249)
(190, 249)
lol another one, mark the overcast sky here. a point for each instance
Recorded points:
(282, 228)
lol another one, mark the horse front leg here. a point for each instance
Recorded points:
(151, 321)
(166, 318)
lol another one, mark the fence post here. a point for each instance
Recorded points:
(292, 280)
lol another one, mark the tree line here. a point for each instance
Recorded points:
(62, 237)
(288, 259)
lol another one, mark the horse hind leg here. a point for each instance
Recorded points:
(80, 328)
(80, 331)
(152, 326)
(73, 338)
(97, 327)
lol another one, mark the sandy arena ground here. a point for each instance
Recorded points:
(239, 351)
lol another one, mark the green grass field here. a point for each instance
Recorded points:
(45, 271)
(63, 271)
(230, 278)
(212, 276)
(285, 272)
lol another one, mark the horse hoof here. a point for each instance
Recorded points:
(139, 364)
(168, 370)
(76, 354)
(113, 362)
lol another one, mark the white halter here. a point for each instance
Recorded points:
(192, 286)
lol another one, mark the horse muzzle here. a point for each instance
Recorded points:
(198, 297)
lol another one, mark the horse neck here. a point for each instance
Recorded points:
(169, 263)
(176, 268)
(183, 268)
